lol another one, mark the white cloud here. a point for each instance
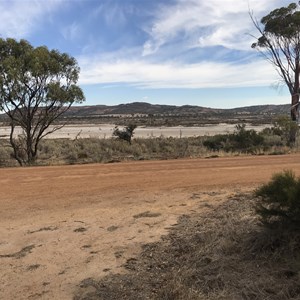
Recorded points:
(200, 75)
(20, 17)
(215, 23)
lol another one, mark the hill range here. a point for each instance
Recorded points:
(156, 109)
(146, 114)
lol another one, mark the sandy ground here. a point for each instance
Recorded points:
(106, 130)
(60, 225)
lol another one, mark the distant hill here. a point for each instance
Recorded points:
(170, 114)
(156, 109)
(264, 109)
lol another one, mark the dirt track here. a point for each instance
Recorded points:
(60, 225)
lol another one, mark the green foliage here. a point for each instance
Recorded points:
(247, 141)
(280, 200)
(37, 86)
(283, 133)
(284, 21)
(126, 134)
(217, 142)
(242, 140)
(286, 129)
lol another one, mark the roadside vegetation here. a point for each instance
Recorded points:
(279, 204)
(92, 150)
(122, 146)
(274, 140)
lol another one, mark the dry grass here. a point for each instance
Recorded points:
(224, 254)
(110, 150)
(92, 150)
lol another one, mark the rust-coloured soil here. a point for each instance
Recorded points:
(60, 225)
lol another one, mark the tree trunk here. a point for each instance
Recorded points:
(294, 107)
(295, 100)
(29, 149)
(14, 145)
(294, 117)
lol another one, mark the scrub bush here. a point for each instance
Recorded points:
(242, 140)
(126, 134)
(279, 200)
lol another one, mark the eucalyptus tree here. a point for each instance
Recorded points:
(279, 43)
(37, 86)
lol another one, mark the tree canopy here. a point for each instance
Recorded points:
(37, 85)
(279, 43)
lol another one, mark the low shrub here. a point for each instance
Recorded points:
(217, 142)
(286, 129)
(248, 141)
(126, 134)
(242, 140)
(6, 154)
(284, 132)
(279, 200)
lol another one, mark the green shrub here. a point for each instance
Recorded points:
(285, 128)
(126, 134)
(216, 142)
(248, 141)
(242, 140)
(279, 200)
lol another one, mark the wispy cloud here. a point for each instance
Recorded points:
(19, 18)
(113, 13)
(200, 75)
(210, 23)
(176, 29)
(71, 32)
(164, 35)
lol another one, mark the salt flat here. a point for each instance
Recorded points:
(105, 131)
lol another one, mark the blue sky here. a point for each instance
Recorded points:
(175, 52)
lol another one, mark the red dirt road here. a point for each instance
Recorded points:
(60, 225)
